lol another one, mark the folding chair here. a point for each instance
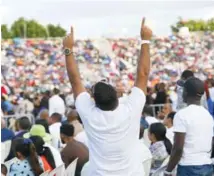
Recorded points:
(10, 162)
(45, 173)
(70, 170)
(147, 166)
(59, 171)
(165, 162)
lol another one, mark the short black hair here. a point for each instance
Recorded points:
(56, 91)
(105, 96)
(24, 123)
(57, 116)
(148, 110)
(187, 74)
(194, 87)
(171, 115)
(67, 129)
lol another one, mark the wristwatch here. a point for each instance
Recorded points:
(144, 42)
(67, 51)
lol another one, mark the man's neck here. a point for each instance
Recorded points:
(169, 126)
(193, 102)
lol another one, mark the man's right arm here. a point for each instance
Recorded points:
(143, 67)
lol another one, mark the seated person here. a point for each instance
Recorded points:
(161, 146)
(44, 152)
(73, 148)
(29, 162)
(6, 134)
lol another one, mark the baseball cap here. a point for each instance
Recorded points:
(194, 87)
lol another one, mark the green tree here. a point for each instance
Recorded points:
(18, 28)
(35, 30)
(5, 32)
(56, 31)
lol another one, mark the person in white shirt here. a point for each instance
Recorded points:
(148, 115)
(54, 129)
(193, 127)
(168, 122)
(56, 104)
(112, 128)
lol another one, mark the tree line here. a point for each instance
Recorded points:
(31, 29)
(194, 25)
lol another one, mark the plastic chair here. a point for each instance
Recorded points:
(59, 171)
(5, 149)
(147, 166)
(10, 162)
(70, 170)
(159, 172)
(45, 173)
(165, 162)
(84, 171)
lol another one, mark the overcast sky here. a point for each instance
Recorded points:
(109, 18)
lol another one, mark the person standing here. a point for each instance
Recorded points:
(56, 103)
(73, 148)
(193, 127)
(112, 127)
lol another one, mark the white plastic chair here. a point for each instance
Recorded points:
(5, 149)
(84, 171)
(59, 171)
(10, 162)
(45, 173)
(70, 170)
(165, 162)
(147, 166)
(159, 172)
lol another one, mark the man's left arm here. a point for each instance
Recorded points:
(71, 65)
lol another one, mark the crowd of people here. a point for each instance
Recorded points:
(111, 128)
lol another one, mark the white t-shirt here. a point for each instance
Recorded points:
(55, 132)
(170, 134)
(56, 105)
(113, 136)
(82, 137)
(197, 124)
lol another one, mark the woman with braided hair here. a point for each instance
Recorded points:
(28, 164)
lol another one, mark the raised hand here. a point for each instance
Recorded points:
(145, 32)
(68, 41)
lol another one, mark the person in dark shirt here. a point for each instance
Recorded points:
(73, 148)
(6, 134)
(44, 104)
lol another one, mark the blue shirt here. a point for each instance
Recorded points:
(6, 106)
(6, 134)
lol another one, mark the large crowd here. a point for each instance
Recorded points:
(35, 82)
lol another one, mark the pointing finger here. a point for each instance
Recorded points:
(143, 21)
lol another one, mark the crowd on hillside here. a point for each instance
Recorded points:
(36, 65)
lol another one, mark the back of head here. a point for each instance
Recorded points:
(147, 111)
(42, 150)
(56, 91)
(159, 131)
(187, 74)
(24, 123)
(44, 114)
(193, 88)
(26, 149)
(72, 115)
(67, 130)
(56, 117)
(105, 96)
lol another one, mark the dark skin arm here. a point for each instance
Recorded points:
(143, 67)
(177, 151)
(72, 68)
